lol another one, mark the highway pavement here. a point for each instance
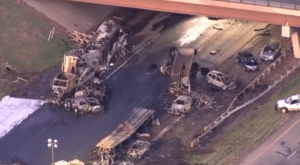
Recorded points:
(282, 148)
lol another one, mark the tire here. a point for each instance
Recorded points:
(245, 69)
(68, 105)
(224, 88)
(283, 110)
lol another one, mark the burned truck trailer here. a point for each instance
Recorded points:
(180, 75)
(107, 148)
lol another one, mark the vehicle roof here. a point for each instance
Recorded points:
(185, 51)
(246, 53)
(183, 97)
(217, 72)
(294, 97)
(272, 43)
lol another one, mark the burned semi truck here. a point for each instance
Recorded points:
(108, 150)
(81, 66)
(106, 46)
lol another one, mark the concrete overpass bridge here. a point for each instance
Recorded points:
(281, 12)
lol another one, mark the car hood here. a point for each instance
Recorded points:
(267, 53)
(251, 63)
(280, 103)
(177, 106)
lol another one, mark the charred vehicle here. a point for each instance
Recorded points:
(181, 105)
(138, 148)
(81, 66)
(221, 80)
(180, 75)
(108, 149)
(84, 105)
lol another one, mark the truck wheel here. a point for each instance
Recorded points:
(67, 105)
(284, 110)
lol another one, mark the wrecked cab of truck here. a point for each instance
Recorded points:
(181, 105)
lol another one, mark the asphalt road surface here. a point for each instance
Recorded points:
(282, 148)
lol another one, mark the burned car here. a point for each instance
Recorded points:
(181, 105)
(220, 80)
(291, 103)
(138, 148)
(84, 105)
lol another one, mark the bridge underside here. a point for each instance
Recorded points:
(279, 16)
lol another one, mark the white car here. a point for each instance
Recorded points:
(220, 80)
(289, 104)
(181, 105)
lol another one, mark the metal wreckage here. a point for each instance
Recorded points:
(112, 149)
(179, 66)
(78, 86)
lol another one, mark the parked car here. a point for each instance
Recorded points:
(220, 80)
(181, 105)
(271, 50)
(84, 105)
(247, 61)
(291, 103)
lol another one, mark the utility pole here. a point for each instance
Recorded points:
(52, 144)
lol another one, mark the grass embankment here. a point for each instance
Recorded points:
(248, 132)
(24, 42)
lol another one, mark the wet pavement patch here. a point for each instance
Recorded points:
(204, 71)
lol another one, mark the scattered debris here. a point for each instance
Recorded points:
(217, 26)
(51, 34)
(5, 66)
(263, 32)
(19, 78)
(80, 39)
(143, 135)
(156, 122)
(202, 99)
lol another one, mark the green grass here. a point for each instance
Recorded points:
(248, 132)
(24, 41)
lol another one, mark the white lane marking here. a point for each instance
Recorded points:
(292, 155)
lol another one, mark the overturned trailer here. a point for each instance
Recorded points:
(107, 151)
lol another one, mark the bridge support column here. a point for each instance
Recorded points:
(295, 42)
(293, 33)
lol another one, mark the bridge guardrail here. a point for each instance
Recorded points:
(290, 4)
